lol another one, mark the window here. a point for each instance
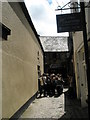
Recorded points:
(4, 31)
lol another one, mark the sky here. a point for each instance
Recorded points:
(43, 15)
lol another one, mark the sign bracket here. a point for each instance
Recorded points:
(72, 3)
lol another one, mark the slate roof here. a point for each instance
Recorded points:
(54, 43)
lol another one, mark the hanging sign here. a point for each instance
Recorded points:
(69, 22)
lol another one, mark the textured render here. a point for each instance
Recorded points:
(0, 64)
(0, 79)
(79, 60)
(19, 61)
(79, 68)
(77, 40)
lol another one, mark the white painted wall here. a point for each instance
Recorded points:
(80, 70)
(19, 61)
(0, 64)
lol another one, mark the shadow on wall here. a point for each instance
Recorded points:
(73, 110)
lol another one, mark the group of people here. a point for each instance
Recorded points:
(50, 85)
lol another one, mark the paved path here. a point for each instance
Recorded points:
(56, 108)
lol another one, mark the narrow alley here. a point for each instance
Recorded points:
(56, 108)
(45, 59)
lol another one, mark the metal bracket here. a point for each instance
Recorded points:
(70, 4)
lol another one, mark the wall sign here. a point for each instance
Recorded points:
(69, 22)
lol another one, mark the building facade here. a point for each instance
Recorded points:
(22, 55)
(79, 61)
(58, 51)
(55, 62)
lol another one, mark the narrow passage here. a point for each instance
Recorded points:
(56, 108)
